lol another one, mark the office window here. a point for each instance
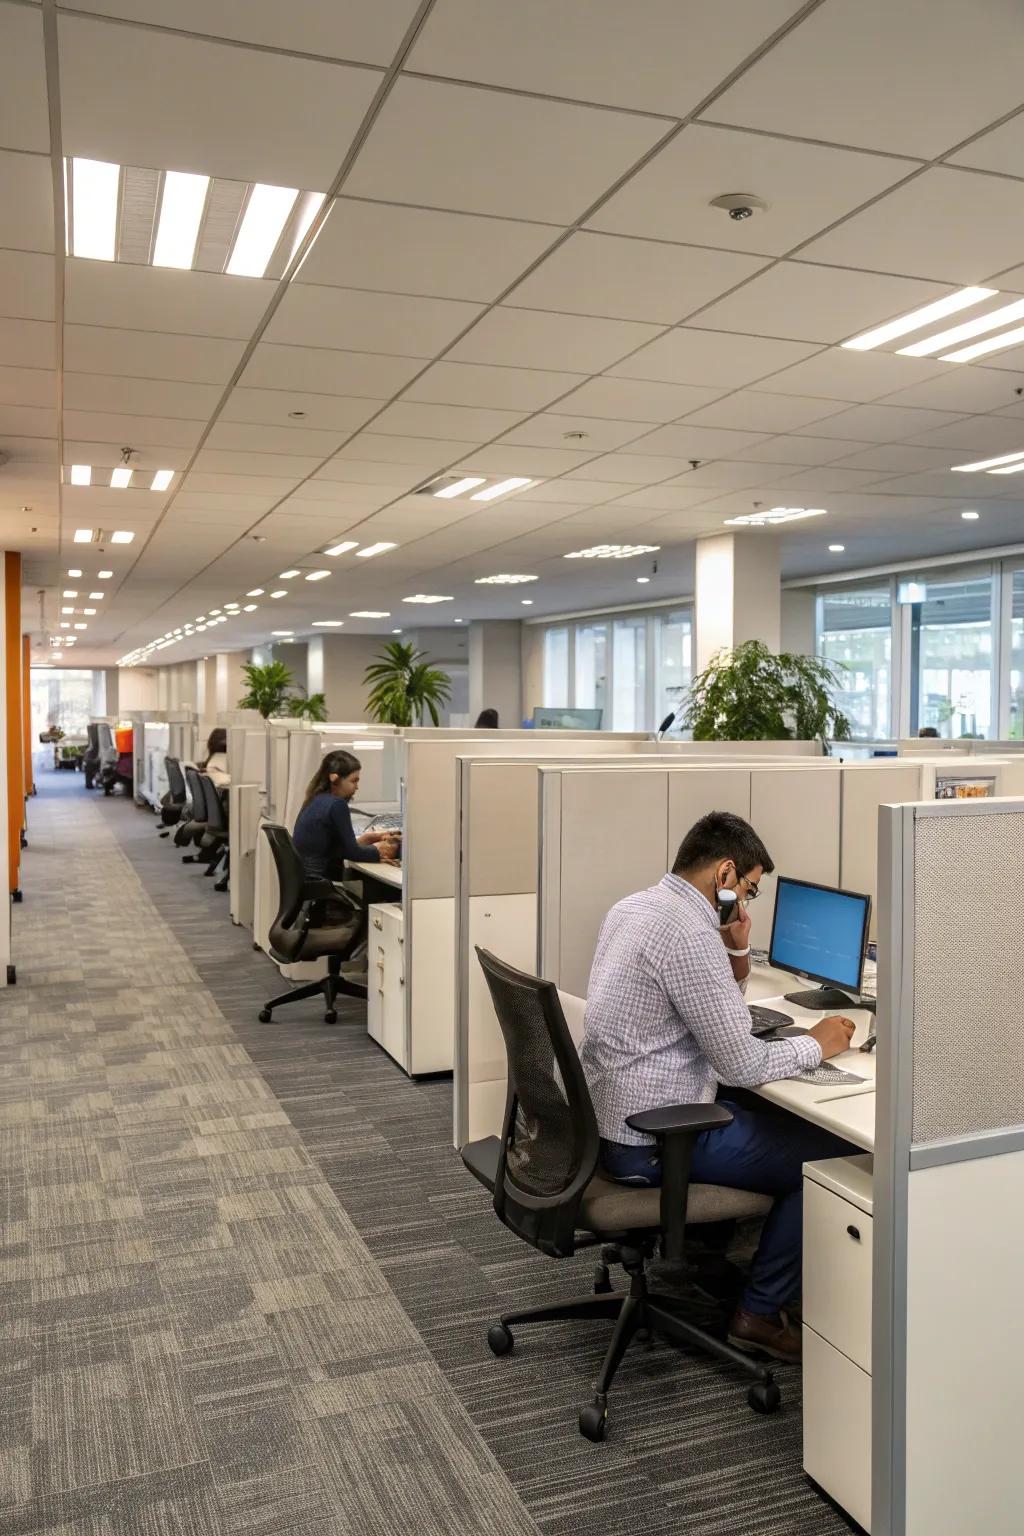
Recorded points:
(1017, 658)
(629, 674)
(855, 634)
(951, 657)
(556, 669)
(673, 662)
(592, 668)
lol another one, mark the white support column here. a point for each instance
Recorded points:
(496, 669)
(736, 593)
(230, 682)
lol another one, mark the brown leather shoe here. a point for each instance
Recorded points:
(775, 1336)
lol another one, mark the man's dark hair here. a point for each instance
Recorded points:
(721, 835)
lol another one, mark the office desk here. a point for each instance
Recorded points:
(381, 882)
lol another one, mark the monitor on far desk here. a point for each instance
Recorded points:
(820, 933)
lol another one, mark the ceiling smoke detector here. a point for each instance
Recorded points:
(739, 205)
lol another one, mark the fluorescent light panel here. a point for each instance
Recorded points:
(266, 214)
(459, 486)
(775, 515)
(181, 213)
(980, 348)
(162, 479)
(94, 196)
(285, 575)
(503, 581)
(952, 304)
(369, 613)
(613, 551)
(977, 327)
(121, 537)
(342, 548)
(981, 464)
(256, 592)
(316, 575)
(103, 575)
(516, 483)
(328, 623)
(374, 549)
(120, 478)
(81, 474)
(83, 536)
(281, 593)
(421, 597)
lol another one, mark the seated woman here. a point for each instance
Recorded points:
(324, 835)
(216, 764)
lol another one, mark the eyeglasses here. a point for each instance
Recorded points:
(751, 886)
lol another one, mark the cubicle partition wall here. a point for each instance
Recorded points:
(947, 1384)
(155, 737)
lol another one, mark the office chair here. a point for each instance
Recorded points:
(172, 805)
(549, 1191)
(91, 756)
(293, 936)
(192, 827)
(216, 839)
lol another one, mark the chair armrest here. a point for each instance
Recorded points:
(679, 1117)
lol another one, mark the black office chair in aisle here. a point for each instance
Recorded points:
(297, 935)
(549, 1191)
(91, 756)
(192, 827)
(173, 803)
(215, 842)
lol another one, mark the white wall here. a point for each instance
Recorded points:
(797, 627)
(137, 689)
(495, 669)
(230, 682)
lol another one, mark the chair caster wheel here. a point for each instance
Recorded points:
(264, 1017)
(593, 1421)
(500, 1339)
(330, 1017)
(602, 1280)
(764, 1397)
(256, 948)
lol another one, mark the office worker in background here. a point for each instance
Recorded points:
(666, 1024)
(487, 719)
(324, 835)
(216, 764)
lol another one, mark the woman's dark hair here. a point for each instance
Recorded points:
(487, 719)
(721, 835)
(335, 763)
(217, 741)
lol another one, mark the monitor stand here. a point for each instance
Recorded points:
(828, 998)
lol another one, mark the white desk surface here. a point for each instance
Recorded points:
(848, 1109)
(387, 874)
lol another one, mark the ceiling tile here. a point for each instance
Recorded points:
(28, 421)
(900, 458)
(839, 375)
(576, 492)
(748, 410)
(635, 399)
(286, 466)
(1002, 150)
(531, 338)
(724, 474)
(375, 322)
(1010, 361)
(594, 51)
(633, 468)
(149, 354)
(26, 286)
(365, 33)
(464, 423)
(262, 438)
(799, 450)
(502, 459)
(139, 397)
(959, 389)
(980, 435)
(878, 423)
(24, 117)
(324, 413)
(899, 58)
(108, 293)
(955, 226)
(513, 389)
(323, 371)
(26, 202)
(422, 251)
(107, 451)
(810, 303)
(456, 147)
(430, 451)
(205, 480)
(549, 431)
(829, 477)
(806, 186)
(711, 358)
(28, 386)
(664, 498)
(595, 274)
(290, 121)
(371, 472)
(135, 431)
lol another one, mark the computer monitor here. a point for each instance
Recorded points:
(567, 719)
(821, 933)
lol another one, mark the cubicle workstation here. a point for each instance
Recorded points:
(157, 735)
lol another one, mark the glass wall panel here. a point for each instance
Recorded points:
(951, 658)
(673, 662)
(629, 675)
(556, 668)
(592, 668)
(855, 634)
(1017, 658)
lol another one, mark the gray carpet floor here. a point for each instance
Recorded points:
(310, 1355)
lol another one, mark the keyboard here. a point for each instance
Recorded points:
(764, 1021)
(827, 1076)
(385, 823)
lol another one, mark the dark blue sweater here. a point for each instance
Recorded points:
(324, 838)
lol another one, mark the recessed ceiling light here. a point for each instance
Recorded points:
(950, 305)
(81, 474)
(215, 610)
(256, 592)
(457, 487)
(970, 517)
(103, 575)
(458, 621)
(281, 592)
(836, 549)
(643, 580)
(976, 327)
(423, 597)
(503, 580)
(162, 479)
(311, 205)
(369, 613)
(516, 483)
(89, 612)
(374, 549)
(74, 573)
(280, 634)
(120, 478)
(613, 551)
(228, 605)
(121, 537)
(343, 548)
(775, 515)
(81, 626)
(97, 597)
(83, 536)
(266, 214)
(287, 575)
(200, 628)
(316, 575)
(527, 602)
(250, 607)
(328, 623)
(979, 348)
(181, 213)
(94, 188)
(64, 624)
(67, 610)
(71, 592)
(980, 464)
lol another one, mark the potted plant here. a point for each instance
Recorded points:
(752, 694)
(307, 706)
(404, 687)
(270, 692)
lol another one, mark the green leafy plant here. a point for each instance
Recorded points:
(404, 688)
(752, 694)
(302, 706)
(268, 686)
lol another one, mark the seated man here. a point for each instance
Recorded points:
(666, 1024)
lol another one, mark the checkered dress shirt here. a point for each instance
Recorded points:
(666, 1022)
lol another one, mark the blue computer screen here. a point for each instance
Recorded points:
(819, 932)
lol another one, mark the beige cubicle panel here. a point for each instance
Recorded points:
(865, 788)
(796, 815)
(707, 789)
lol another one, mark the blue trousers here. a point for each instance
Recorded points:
(764, 1153)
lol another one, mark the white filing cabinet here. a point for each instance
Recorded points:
(838, 1230)
(385, 978)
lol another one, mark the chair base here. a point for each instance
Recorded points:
(329, 988)
(634, 1311)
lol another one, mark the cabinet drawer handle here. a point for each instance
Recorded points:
(377, 923)
(854, 1232)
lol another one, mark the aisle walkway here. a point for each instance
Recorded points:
(195, 1338)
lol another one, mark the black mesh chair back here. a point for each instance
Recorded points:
(107, 746)
(216, 815)
(196, 795)
(291, 924)
(175, 781)
(92, 751)
(550, 1139)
